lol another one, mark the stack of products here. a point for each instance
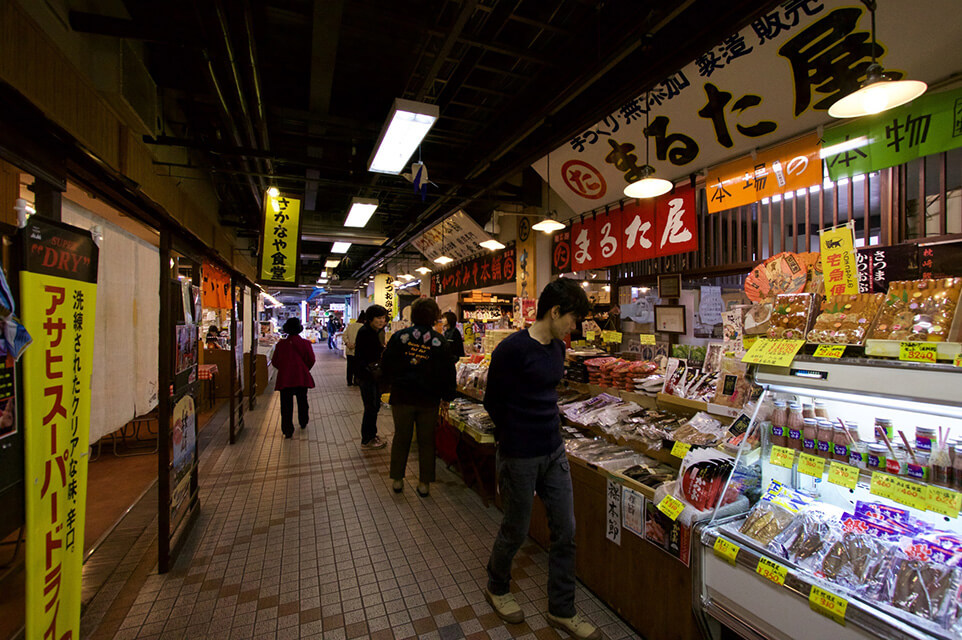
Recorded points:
(470, 413)
(493, 337)
(594, 366)
(790, 316)
(650, 385)
(472, 374)
(921, 310)
(624, 374)
(846, 319)
(575, 368)
(689, 382)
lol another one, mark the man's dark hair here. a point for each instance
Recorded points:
(374, 311)
(564, 293)
(451, 319)
(360, 317)
(424, 312)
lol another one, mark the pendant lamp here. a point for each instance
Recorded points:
(880, 91)
(443, 259)
(648, 186)
(549, 224)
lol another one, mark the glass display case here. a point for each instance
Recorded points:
(855, 533)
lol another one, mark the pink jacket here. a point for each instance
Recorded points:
(293, 359)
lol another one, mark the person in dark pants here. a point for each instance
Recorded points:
(367, 352)
(452, 335)
(293, 358)
(522, 400)
(350, 337)
(417, 362)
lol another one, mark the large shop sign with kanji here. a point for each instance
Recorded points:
(770, 82)
(458, 236)
(639, 230)
(485, 271)
(282, 233)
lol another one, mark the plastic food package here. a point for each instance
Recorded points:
(925, 589)
(773, 513)
(809, 536)
(733, 387)
(702, 429)
(757, 319)
(790, 316)
(846, 319)
(703, 475)
(921, 310)
(857, 560)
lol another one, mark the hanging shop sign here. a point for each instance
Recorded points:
(929, 124)
(839, 266)
(561, 252)
(384, 293)
(282, 234)
(60, 281)
(943, 260)
(527, 250)
(215, 287)
(461, 238)
(773, 80)
(781, 169)
(485, 271)
(877, 266)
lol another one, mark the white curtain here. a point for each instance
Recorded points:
(124, 376)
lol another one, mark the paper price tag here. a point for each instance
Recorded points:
(611, 336)
(828, 604)
(747, 342)
(680, 449)
(782, 457)
(909, 493)
(811, 465)
(647, 338)
(843, 475)
(829, 351)
(671, 507)
(771, 570)
(589, 335)
(725, 549)
(958, 360)
(778, 353)
(918, 352)
(882, 485)
(944, 501)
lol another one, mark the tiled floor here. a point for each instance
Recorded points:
(304, 538)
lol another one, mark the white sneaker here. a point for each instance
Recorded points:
(505, 606)
(575, 626)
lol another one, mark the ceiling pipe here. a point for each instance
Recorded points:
(256, 81)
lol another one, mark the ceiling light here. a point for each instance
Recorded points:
(880, 91)
(548, 225)
(585, 284)
(443, 260)
(423, 270)
(405, 128)
(607, 287)
(361, 211)
(492, 244)
(323, 274)
(647, 186)
(407, 277)
(340, 247)
(330, 263)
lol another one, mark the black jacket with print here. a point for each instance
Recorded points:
(418, 365)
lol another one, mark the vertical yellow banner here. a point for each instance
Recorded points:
(279, 254)
(384, 293)
(838, 260)
(59, 285)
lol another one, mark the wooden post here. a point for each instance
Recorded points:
(165, 379)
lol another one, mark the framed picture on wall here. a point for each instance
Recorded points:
(669, 286)
(670, 318)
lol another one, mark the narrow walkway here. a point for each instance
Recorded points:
(304, 538)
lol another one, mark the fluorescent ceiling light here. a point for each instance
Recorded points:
(361, 211)
(443, 260)
(323, 274)
(396, 283)
(492, 245)
(548, 225)
(330, 263)
(423, 270)
(405, 128)
(340, 247)
(277, 303)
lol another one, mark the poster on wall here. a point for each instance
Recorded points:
(8, 397)
(184, 442)
(60, 272)
(669, 535)
(186, 347)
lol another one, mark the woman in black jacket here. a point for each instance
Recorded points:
(452, 335)
(367, 352)
(419, 366)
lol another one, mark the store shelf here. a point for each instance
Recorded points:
(890, 349)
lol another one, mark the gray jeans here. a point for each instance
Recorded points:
(405, 418)
(518, 479)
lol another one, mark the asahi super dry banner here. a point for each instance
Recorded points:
(486, 271)
(59, 285)
(282, 232)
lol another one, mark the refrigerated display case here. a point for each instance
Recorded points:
(844, 581)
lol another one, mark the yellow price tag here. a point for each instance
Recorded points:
(828, 604)
(747, 342)
(909, 493)
(829, 351)
(944, 501)
(680, 449)
(811, 465)
(918, 352)
(958, 360)
(771, 570)
(782, 457)
(843, 475)
(647, 338)
(611, 336)
(671, 507)
(882, 485)
(777, 353)
(725, 549)
(589, 335)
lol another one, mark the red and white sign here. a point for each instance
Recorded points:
(584, 247)
(677, 229)
(608, 234)
(638, 218)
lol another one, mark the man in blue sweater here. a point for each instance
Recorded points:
(522, 400)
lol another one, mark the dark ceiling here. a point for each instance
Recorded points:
(294, 93)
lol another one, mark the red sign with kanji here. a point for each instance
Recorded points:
(638, 230)
(584, 247)
(677, 228)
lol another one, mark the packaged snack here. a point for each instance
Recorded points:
(773, 513)
(703, 475)
(926, 589)
(757, 319)
(732, 388)
(921, 310)
(846, 319)
(790, 316)
(808, 537)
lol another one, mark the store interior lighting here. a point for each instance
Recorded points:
(332, 263)
(880, 92)
(423, 270)
(443, 259)
(361, 211)
(548, 225)
(275, 301)
(491, 245)
(405, 128)
(273, 192)
(340, 247)
(648, 186)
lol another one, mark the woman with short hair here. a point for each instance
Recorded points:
(452, 335)
(293, 358)
(367, 352)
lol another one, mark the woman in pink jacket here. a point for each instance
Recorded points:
(293, 358)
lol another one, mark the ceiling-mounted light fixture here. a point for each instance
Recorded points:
(491, 245)
(332, 263)
(361, 211)
(548, 225)
(443, 259)
(648, 186)
(880, 91)
(423, 270)
(405, 128)
(340, 247)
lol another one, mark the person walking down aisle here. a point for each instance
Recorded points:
(350, 337)
(293, 358)
(452, 335)
(522, 400)
(367, 352)
(417, 362)
(333, 326)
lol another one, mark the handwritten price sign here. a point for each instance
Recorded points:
(828, 604)
(918, 352)
(944, 501)
(647, 338)
(843, 475)
(680, 449)
(782, 457)
(671, 507)
(811, 465)
(882, 485)
(725, 549)
(777, 353)
(909, 493)
(771, 571)
(829, 351)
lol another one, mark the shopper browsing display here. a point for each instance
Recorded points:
(293, 358)
(367, 355)
(417, 362)
(522, 400)
(452, 335)
(350, 337)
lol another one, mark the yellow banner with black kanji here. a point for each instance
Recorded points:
(839, 267)
(282, 230)
(59, 294)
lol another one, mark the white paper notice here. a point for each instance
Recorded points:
(632, 510)
(711, 305)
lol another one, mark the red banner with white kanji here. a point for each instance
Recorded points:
(584, 248)
(677, 228)
(638, 218)
(608, 235)
(59, 294)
